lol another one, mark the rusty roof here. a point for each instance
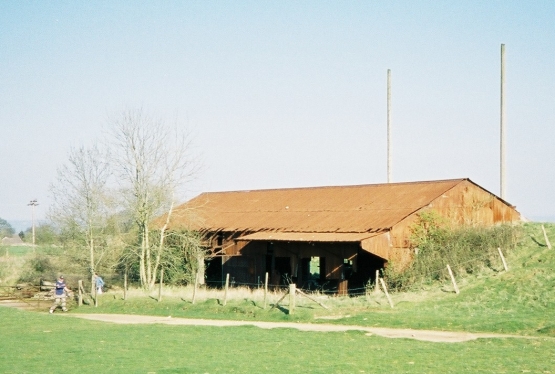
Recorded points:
(348, 209)
(347, 237)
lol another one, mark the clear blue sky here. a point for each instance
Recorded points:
(285, 93)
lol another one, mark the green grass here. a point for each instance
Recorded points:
(39, 342)
(23, 250)
(520, 301)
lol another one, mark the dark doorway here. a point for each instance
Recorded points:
(367, 264)
(283, 269)
(214, 272)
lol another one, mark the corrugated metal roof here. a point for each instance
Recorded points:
(355, 209)
(308, 236)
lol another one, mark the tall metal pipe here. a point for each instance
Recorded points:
(502, 120)
(388, 125)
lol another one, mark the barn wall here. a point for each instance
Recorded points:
(465, 204)
(378, 245)
(468, 204)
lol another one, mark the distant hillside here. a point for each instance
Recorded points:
(21, 224)
(542, 219)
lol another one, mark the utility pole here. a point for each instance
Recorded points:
(388, 125)
(33, 203)
(503, 135)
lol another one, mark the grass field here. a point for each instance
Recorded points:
(42, 343)
(520, 301)
(22, 250)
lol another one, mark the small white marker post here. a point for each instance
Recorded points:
(160, 285)
(125, 285)
(292, 292)
(546, 238)
(453, 279)
(265, 289)
(79, 288)
(195, 289)
(503, 259)
(386, 293)
(226, 288)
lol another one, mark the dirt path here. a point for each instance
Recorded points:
(425, 335)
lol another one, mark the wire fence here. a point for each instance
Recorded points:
(433, 274)
(438, 274)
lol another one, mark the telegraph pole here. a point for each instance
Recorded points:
(388, 125)
(33, 203)
(503, 134)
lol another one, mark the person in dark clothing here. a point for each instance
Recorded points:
(60, 294)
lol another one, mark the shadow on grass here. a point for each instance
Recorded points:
(537, 242)
(446, 290)
(282, 309)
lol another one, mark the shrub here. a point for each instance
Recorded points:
(37, 267)
(435, 245)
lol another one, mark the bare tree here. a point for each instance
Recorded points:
(80, 201)
(151, 161)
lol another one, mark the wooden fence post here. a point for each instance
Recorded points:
(503, 259)
(195, 289)
(292, 292)
(453, 279)
(80, 293)
(95, 296)
(386, 293)
(377, 286)
(546, 238)
(226, 288)
(125, 285)
(160, 286)
(265, 289)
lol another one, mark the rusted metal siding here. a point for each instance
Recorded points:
(378, 245)
(468, 204)
(465, 204)
(334, 267)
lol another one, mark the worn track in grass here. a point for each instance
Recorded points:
(424, 335)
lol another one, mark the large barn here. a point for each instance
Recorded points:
(336, 237)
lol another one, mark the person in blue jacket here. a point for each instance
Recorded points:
(99, 283)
